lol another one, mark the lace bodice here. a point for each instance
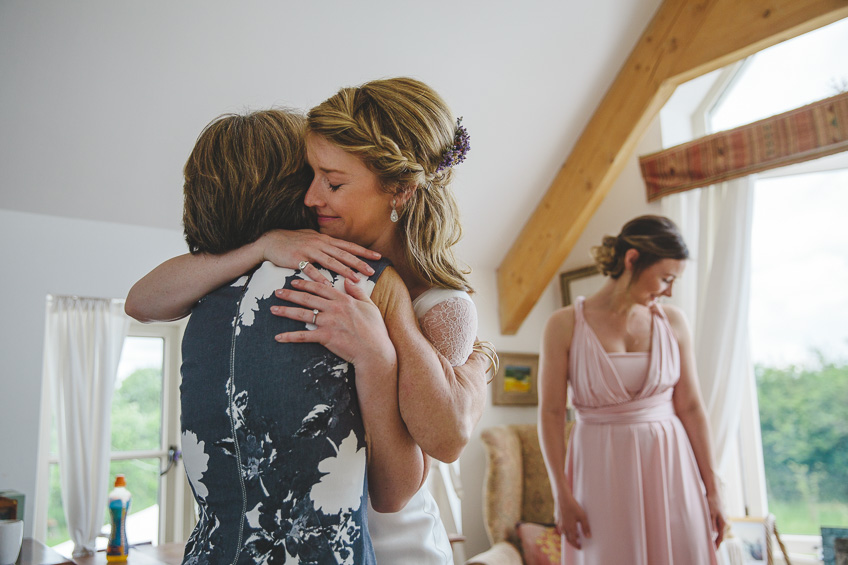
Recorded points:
(448, 319)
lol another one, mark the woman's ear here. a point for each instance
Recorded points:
(630, 258)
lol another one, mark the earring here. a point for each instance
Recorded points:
(394, 215)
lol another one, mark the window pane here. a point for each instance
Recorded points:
(788, 75)
(799, 342)
(143, 483)
(137, 404)
(57, 527)
(142, 477)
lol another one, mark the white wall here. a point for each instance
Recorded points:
(625, 200)
(44, 255)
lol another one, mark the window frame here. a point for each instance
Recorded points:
(745, 474)
(177, 515)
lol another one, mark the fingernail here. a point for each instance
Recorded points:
(275, 309)
(297, 282)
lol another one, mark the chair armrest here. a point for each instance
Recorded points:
(502, 553)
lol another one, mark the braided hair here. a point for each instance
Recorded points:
(401, 128)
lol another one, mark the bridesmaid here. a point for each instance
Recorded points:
(637, 483)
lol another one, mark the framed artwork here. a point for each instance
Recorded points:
(753, 536)
(515, 382)
(829, 539)
(580, 282)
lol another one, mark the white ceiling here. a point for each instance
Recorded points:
(100, 102)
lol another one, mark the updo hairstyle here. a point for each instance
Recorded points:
(654, 237)
(401, 128)
(247, 174)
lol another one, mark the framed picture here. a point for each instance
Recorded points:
(752, 534)
(515, 383)
(580, 282)
(829, 538)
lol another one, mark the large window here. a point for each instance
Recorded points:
(793, 452)
(145, 440)
(799, 273)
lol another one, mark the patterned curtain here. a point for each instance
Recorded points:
(803, 134)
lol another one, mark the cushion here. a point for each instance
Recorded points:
(540, 544)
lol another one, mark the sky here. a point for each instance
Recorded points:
(799, 280)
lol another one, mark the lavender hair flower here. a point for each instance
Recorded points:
(456, 152)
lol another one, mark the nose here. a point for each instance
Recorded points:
(667, 291)
(312, 198)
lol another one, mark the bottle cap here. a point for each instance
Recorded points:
(120, 481)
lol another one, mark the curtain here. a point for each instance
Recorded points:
(716, 222)
(82, 346)
(803, 134)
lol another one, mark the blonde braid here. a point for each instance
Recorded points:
(400, 129)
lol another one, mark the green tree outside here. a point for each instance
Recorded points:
(804, 422)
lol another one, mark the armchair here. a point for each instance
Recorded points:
(516, 489)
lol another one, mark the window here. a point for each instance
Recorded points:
(145, 436)
(793, 452)
(799, 340)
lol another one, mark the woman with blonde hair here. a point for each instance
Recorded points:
(383, 156)
(637, 484)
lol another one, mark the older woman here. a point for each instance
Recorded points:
(383, 156)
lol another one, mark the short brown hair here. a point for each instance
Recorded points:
(247, 174)
(654, 237)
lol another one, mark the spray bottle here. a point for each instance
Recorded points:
(119, 507)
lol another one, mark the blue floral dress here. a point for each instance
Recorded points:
(272, 436)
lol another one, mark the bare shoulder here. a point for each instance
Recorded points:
(561, 323)
(677, 320)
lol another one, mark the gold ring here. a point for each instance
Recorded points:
(302, 265)
(314, 316)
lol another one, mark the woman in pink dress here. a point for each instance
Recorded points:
(636, 484)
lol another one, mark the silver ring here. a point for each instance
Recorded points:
(302, 265)
(314, 316)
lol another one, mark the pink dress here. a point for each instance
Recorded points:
(629, 461)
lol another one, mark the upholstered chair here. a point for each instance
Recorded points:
(516, 490)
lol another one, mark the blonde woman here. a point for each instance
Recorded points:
(383, 156)
(637, 484)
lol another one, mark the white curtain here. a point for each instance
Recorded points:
(82, 347)
(716, 223)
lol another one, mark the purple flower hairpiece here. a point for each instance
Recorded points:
(456, 152)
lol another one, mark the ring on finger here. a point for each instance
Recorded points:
(302, 265)
(314, 316)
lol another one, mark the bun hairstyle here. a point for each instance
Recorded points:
(654, 237)
(402, 130)
(247, 174)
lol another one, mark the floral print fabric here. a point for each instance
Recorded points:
(273, 440)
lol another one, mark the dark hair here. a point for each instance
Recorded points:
(654, 237)
(247, 174)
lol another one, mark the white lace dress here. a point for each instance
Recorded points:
(416, 535)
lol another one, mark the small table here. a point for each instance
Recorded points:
(36, 553)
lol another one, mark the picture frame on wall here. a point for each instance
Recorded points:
(516, 380)
(580, 282)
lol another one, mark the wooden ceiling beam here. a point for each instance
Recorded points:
(685, 39)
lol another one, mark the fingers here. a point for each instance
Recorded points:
(300, 336)
(293, 313)
(355, 291)
(315, 274)
(572, 537)
(346, 264)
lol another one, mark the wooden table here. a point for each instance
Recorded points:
(36, 553)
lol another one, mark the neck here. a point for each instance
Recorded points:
(615, 297)
(392, 249)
